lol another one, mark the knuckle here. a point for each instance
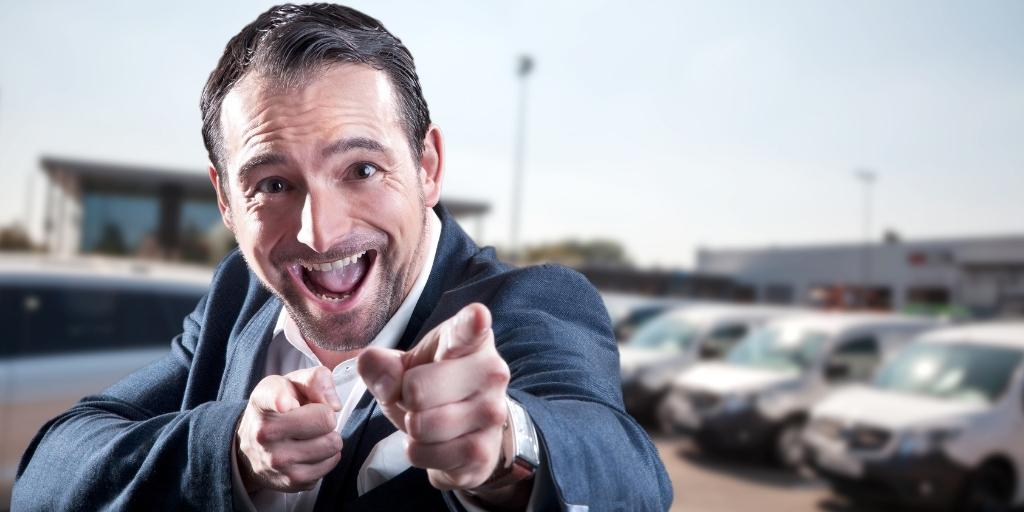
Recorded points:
(494, 412)
(265, 433)
(498, 374)
(475, 450)
(412, 392)
(416, 454)
(325, 420)
(463, 479)
(415, 424)
(279, 462)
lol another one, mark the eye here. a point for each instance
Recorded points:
(273, 186)
(363, 171)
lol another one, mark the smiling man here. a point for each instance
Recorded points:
(358, 351)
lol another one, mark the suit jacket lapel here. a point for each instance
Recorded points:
(244, 365)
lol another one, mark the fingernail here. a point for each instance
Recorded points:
(382, 387)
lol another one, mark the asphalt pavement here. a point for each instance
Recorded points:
(713, 483)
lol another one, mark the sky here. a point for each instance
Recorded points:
(667, 126)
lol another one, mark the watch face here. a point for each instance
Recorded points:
(527, 446)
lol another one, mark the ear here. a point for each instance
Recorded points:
(432, 165)
(221, 191)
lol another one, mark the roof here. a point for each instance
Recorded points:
(836, 322)
(1007, 334)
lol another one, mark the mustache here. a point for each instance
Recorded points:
(351, 244)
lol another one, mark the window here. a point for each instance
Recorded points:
(854, 360)
(49, 320)
(722, 340)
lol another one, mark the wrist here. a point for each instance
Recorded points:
(245, 472)
(511, 482)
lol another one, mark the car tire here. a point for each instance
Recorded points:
(788, 447)
(990, 489)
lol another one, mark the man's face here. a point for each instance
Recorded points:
(325, 199)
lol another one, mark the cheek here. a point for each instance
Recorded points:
(258, 232)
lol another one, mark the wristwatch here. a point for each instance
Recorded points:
(520, 449)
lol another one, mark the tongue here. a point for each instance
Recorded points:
(340, 280)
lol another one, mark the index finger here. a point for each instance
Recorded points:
(316, 384)
(460, 335)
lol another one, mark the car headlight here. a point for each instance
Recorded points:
(735, 403)
(925, 441)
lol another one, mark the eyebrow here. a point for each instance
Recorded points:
(261, 160)
(348, 144)
(337, 147)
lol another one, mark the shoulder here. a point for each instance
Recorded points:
(236, 293)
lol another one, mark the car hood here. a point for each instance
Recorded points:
(723, 378)
(893, 410)
(631, 359)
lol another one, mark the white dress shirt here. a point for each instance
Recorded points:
(289, 352)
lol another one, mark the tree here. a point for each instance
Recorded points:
(574, 253)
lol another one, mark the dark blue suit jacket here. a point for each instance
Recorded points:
(161, 438)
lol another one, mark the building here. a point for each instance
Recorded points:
(984, 275)
(143, 211)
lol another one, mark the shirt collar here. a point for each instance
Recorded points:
(389, 336)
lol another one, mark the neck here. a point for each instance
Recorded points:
(330, 358)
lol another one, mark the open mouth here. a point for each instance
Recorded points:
(336, 282)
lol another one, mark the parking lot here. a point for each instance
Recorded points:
(704, 483)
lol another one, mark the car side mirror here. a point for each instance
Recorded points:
(837, 370)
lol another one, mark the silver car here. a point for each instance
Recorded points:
(74, 327)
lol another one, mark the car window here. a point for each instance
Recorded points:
(56, 320)
(859, 356)
(722, 339)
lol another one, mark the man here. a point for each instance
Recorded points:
(358, 351)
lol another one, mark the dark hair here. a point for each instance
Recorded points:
(290, 43)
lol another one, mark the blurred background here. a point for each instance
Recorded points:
(787, 206)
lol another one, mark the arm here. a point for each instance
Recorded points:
(553, 330)
(132, 447)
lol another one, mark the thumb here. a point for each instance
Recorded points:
(382, 370)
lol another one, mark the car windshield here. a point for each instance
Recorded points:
(776, 348)
(665, 333)
(969, 372)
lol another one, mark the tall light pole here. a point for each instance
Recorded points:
(867, 178)
(522, 71)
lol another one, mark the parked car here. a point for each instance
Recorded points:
(941, 425)
(670, 342)
(629, 312)
(74, 327)
(759, 396)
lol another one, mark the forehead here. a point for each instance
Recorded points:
(344, 100)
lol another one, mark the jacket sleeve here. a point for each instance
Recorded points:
(553, 330)
(133, 446)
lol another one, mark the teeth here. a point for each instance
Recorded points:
(332, 265)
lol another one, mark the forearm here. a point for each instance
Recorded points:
(105, 453)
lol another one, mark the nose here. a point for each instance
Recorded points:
(325, 220)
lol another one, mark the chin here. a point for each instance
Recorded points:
(346, 320)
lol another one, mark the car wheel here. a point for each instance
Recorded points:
(990, 489)
(789, 445)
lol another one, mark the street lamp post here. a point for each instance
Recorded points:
(522, 71)
(867, 178)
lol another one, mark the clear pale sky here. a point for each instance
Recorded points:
(664, 125)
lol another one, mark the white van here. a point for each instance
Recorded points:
(942, 424)
(759, 396)
(665, 345)
(75, 326)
